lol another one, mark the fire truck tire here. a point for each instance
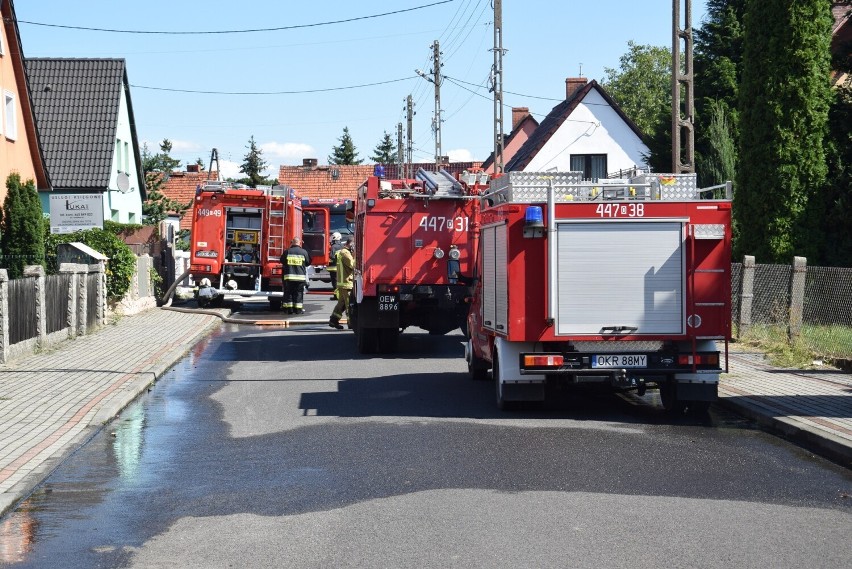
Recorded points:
(477, 368)
(668, 397)
(502, 403)
(366, 339)
(275, 304)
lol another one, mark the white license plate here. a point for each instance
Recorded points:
(620, 360)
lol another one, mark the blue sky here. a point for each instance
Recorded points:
(546, 41)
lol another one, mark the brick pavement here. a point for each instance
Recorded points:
(51, 403)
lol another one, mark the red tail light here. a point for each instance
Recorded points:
(531, 360)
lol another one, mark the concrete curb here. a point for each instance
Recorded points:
(816, 440)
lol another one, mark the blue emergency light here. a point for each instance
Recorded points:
(533, 222)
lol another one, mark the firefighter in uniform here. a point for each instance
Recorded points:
(345, 274)
(336, 246)
(294, 262)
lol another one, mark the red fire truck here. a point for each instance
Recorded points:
(620, 284)
(238, 237)
(321, 217)
(414, 244)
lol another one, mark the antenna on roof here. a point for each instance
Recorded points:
(214, 157)
(581, 70)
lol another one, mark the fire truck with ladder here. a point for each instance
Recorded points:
(620, 284)
(414, 244)
(238, 237)
(322, 217)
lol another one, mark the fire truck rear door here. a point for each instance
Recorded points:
(617, 277)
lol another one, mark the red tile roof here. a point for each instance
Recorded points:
(181, 187)
(335, 181)
(325, 181)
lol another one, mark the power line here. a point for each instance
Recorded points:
(169, 89)
(510, 92)
(208, 32)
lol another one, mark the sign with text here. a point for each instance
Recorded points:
(75, 212)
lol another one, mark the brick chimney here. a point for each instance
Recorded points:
(192, 168)
(519, 114)
(309, 163)
(574, 84)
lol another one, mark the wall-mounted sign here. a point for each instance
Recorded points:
(75, 212)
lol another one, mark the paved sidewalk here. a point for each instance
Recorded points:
(811, 407)
(51, 403)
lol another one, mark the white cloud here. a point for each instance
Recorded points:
(460, 155)
(278, 153)
(180, 146)
(230, 169)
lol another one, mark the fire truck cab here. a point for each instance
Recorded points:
(238, 237)
(321, 217)
(617, 284)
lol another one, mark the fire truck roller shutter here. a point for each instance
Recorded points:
(620, 274)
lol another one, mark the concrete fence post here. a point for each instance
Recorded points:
(797, 297)
(75, 283)
(746, 296)
(100, 269)
(82, 300)
(36, 272)
(4, 316)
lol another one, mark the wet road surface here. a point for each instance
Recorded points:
(268, 448)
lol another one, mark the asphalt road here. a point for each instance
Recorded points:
(271, 448)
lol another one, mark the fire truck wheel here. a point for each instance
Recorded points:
(698, 408)
(275, 304)
(502, 403)
(367, 339)
(668, 397)
(477, 368)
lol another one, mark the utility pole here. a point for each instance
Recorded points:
(683, 128)
(409, 151)
(436, 79)
(497, 86)
(400, 156)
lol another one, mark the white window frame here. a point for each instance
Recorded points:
(10, 115)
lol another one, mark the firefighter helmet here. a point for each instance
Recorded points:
(336, 236)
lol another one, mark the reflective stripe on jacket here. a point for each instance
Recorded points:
(294, 263)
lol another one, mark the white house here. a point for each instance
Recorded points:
(587, 132)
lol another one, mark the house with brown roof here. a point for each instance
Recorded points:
(20, 149)
(523, 125)
(587, 132)
(180, 186)
(314, 181)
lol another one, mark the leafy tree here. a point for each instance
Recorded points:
(22, 226)
(720, 161)
(837, 249)
(783, 106)
(157, 168)
(642, 85)
(345, 153)
(385, 151)
(717, 65)
(253, 164)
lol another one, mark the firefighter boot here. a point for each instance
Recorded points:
(336, 325)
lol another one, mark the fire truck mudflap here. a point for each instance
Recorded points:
(619, 285)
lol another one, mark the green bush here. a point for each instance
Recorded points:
(122, 261)
(22, 225)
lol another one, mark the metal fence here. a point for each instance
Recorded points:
(56, 307)
(816, 316)
(22, 311)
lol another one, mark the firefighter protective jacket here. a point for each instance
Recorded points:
(345, 268)
(332, 255)
(295, 261)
